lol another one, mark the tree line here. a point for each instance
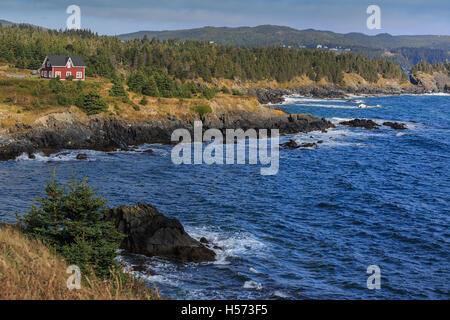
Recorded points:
(161, 61)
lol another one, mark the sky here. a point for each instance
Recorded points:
(123, 16)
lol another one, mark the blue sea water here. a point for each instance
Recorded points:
(362, 198)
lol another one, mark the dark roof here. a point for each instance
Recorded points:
(62, 60)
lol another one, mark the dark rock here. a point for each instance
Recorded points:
(361, 123)
(150, 233)
(308, 145)
(395, 125)
(82, 156)
(31, 156)
(203, 240)
(109, 134)
(217, 248)
(149, 151)
(291, 144)
(320, 142)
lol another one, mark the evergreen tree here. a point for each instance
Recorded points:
(70, 219)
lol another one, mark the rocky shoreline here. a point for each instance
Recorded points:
(419, 84)
(65, 131)
(276, 95)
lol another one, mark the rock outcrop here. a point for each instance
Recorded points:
(361, 123)
(432, 83)
(395, 125)
(150, 233)
(65, 131)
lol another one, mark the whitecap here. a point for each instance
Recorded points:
(253, 270)
(252, 285)
(280, 294)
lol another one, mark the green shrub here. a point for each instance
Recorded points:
(237, 93)
(70, 78)
(117, 90)
(70, 220)
(144, 101)
(136, 107)
(202, 109)
(225, 90)
(63, 100)
(209, 93)
(56, 86)
(36, 103)
(91, 103)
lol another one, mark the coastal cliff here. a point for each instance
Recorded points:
(72, 130)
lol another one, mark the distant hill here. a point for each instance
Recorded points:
(5, 23)
(404, 50)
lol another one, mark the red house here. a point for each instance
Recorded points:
(63, 67)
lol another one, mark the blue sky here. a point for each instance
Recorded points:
(122, 16)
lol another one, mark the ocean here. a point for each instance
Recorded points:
(363, 197)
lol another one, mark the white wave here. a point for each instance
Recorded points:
(232, 244)
(253, 270)
(252, 285)
(60, 156)
(441, 94)
(337, 137)
(280, 294)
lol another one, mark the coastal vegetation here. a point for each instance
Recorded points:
(70, 220)
(67, 228)
(427, 68)
(171, 60)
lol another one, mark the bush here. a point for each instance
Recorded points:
(225, 90)
(209, 93)
(144, 101)
(91, 103)
(63, 100)
(136, 107)
(117, 90)
(202, 109)
(70, 78)
(70, 220)
(237, 93)
(56, 86)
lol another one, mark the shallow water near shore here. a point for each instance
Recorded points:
(363, 197)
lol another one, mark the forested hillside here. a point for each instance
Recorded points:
(26, 47)
(406, 51)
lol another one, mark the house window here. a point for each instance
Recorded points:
(79, 75)
(58, 74)
(45, 74)
(68, 73)
(49, 74)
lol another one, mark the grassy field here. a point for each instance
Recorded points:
(30, 271)
(25, 99)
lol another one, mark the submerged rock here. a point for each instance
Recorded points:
(291, 144)
(149, 151)
(395, 125)
(150, 233)
(82, 156)
(361, 123)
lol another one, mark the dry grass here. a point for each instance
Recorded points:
(29, 271)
